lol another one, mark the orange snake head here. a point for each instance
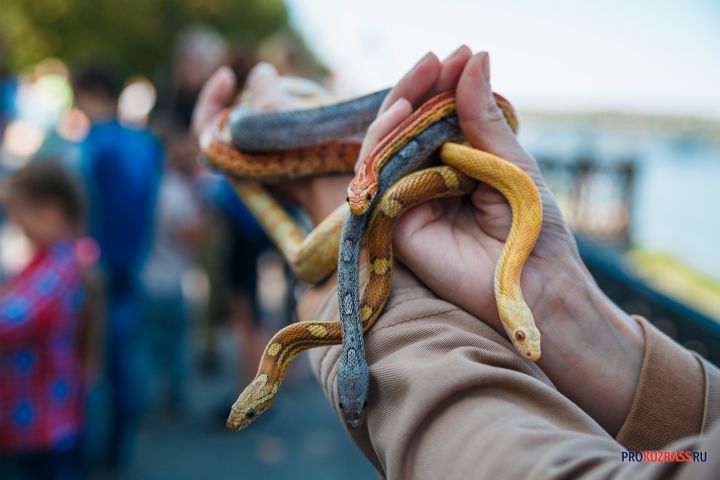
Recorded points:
(360, 196)
(252, 402)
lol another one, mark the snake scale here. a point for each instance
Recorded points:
(409, 150)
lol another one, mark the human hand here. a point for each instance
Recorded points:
(591, 350)
(318, 195)
(220, 91)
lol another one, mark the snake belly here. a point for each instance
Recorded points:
(411, 190)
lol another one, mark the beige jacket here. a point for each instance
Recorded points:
(450, 399)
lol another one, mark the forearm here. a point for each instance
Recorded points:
(451, 399)
(598, 369)
(641, 386)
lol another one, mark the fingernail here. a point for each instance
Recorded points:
(423, 59)
(223, 70)
(454, 53)
(263, 70)
(396, 105)
(485, 58)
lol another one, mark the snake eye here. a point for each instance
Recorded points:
(365, 404)
(368, 197)
(347, 199)
(341, 406)
(250, 413)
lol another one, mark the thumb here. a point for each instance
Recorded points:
(215, 95)
(482, 120)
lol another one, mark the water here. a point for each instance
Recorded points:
(676, 200)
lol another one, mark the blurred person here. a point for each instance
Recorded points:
(8, 90)
(232, 233)
(122, 171)
(199, 50)
(287, 52)
(443, 371)
(231, 247)
(46, 357)
(179, 228)
(246, 241)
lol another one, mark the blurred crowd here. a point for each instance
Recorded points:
(114, 242)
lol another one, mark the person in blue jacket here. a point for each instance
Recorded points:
(122, 170)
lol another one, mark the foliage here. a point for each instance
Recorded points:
(134, 36)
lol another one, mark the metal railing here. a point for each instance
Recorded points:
(683, 324)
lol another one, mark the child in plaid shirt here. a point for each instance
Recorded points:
(42, 391)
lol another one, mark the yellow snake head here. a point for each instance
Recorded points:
(520, 327)
(361, 195)
(251, 403)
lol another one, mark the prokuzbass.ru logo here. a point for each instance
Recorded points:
(661, 456)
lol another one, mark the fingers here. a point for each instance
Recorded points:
(217, 94)
(383, 125)
(416, 84)
(452, 68)
(428, 75)
(264, 89)
(482, 121)
(261, 79)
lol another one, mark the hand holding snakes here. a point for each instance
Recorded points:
(405, 150)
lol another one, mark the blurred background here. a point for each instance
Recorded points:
(618, 101)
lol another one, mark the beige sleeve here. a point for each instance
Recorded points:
(678, 394)
(450, 399)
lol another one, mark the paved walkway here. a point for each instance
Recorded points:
(298, 437)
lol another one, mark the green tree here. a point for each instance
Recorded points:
(134, 36)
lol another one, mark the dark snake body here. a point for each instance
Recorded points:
(254, 130)
(353, 377)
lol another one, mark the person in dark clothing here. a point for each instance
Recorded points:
(122, 171)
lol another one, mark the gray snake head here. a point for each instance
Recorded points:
(353, 380)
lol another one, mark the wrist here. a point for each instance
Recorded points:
(592, 350)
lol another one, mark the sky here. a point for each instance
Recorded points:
(643, 56)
